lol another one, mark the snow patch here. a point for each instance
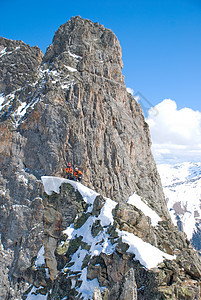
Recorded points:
(52, 184)
(22, 109)
(148, 255)
(34, 296)
(3, 52)
(136, 201)
(40, 260)
(67, 85)
(2, 99)
(130, 91)
(106, 216)
(5, 100)
(70, 68)
(87, 287)
(74, 55)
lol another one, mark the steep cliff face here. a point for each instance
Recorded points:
(79, 111)
(70, 105)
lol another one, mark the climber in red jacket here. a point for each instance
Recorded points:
(69, 171)
(78, 174)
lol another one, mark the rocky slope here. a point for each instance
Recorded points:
(97, 248)
(72, 105)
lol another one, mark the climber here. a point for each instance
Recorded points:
(69, 171)
(78, 174)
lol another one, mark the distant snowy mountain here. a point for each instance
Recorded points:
(182, 188)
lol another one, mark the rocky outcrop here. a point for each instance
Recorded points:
(19, 64)
(103, 259)
(72, 105)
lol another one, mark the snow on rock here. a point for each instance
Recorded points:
(87, 287)
(40, 260)
(5, 100)
(106, 216)
(33, 295)
(98, 244)
(70, 68)
(22, 109)
(148, 255)
(2, 99)
(52, 184)
(74, 55)
(136, 201)
(3, 51)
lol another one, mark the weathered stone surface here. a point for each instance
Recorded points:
(129, 289)
(19, 63)
(5, 262)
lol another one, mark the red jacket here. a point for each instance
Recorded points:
(77, 173)
(69, 170)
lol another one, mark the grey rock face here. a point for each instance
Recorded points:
(129, 288)
(19, 63)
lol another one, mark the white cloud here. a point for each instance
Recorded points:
(176, 134)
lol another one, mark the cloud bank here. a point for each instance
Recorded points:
(176, 134)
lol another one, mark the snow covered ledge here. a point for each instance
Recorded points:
(52, 184)
(148, 255)
(136, 201)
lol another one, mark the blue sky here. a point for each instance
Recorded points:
(161, 40)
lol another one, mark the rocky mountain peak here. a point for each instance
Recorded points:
(76, 108)
(96, 48)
